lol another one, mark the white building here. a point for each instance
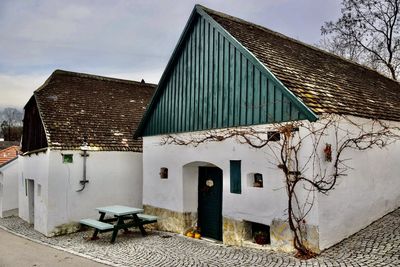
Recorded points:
(78, 149)
(227, 75)
(9, 181)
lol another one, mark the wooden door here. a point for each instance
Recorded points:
(210, 202)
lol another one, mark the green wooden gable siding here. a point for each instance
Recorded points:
(211, 83)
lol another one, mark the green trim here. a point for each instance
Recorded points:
(235, 176)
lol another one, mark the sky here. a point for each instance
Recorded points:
(126, 39)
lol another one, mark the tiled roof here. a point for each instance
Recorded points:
(105, 110)
(8, 154)
(5, 144)
(324, 82)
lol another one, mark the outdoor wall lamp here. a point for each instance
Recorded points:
(84, 148)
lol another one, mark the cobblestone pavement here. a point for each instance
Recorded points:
(376, 245)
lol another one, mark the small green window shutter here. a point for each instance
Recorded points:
(236, 177)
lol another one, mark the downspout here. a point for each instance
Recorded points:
(84, 154)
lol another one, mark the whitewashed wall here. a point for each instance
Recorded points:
(34, 167)
(369, 191)
(114, 178)
(179, 191)
(9, 181)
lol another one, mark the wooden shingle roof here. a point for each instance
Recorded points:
(324, 82)
(105, 110)
(8, 154)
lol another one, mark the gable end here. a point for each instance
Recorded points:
(213, 82)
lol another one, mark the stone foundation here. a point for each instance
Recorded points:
(282, 236)
(171, 221)
(235, 232)
(9, 213)
(65, 229)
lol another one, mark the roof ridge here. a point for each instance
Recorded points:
(218, 13)
(99, 77)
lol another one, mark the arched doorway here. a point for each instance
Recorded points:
(203, 195)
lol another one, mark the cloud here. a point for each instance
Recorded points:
(17, 89)
(122, 37)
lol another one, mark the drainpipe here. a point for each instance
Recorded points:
(84, 154)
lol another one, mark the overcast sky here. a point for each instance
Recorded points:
(122, 38)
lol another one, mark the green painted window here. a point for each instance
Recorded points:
(68, 158)
(236, 176)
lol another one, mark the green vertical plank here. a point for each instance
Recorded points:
(220, 79)
(171, 101)
(225, 118)
(210, 77)
(184, 88)
(206, 72)
(271, 101)
(177, 96)
(164, 111)
(188, 85)
(243, 89)
(257, 97)
(286, 109)
(215, 80)
(201, 74)
(231, 114)
(196, 77)
(294, 115)
(264, 93)
(168, 105)
(180, 92)
(250, 93)
(278, 104)
(192, 81)
(237, 87)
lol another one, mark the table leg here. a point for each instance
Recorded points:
(96, 231)
(120, 221)
(139, 224)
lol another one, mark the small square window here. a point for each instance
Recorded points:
(274, 136)
(164, 173)
(68, 158)
(258, 180)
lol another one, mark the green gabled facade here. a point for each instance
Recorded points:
(212, 81)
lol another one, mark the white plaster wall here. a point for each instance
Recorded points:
(369, 191)
(260, 205)
(114, 178)
(34, 167)
(10, 187)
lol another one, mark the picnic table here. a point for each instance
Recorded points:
(125, 218)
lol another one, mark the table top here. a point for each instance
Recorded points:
(119, 210)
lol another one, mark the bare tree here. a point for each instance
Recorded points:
(367, 32)
(308, 164)
(11, 126)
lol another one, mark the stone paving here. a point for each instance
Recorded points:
(376, 245)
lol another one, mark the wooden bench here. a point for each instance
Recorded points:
(147, 218)
(102, 226)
